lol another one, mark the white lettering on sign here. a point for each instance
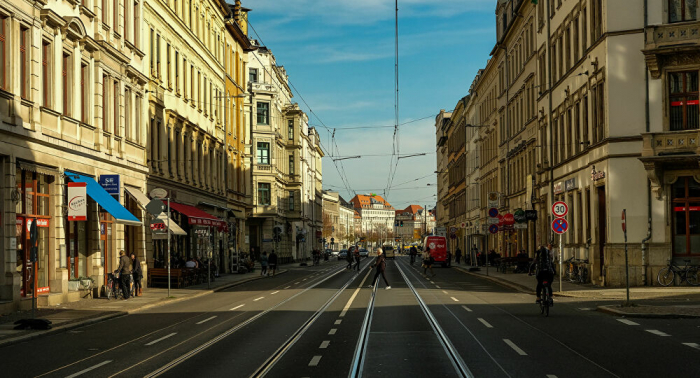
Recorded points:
(597, 175)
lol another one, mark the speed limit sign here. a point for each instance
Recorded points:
(560, 209)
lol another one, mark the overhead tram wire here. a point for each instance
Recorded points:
(396, 147)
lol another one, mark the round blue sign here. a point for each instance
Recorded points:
(493, 228)
(493, 212)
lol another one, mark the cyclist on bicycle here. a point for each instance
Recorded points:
(544, 269)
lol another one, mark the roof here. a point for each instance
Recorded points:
(365, 201)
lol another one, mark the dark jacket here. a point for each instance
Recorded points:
(136, 268)
(124, 265)
(380, 262)
(272, 259)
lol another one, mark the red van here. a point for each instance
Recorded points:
(438, 248)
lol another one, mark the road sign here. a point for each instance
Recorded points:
(155, 207)
(519, 215)
(560, 209)
(110, 183)
(493, 199)
(159, 193)
(493, 212)
(492, 220)
(560, 225)
(509, 219)
(463, 224)
(624, 220)
(493, 228)
(453, 230)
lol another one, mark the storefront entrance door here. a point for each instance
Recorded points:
(602, 228)
(686, 217)
(77, 249)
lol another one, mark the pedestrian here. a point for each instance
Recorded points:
(356, 255)
(124, 271)
(272, 262)
(138, 275)
(428, 262)
(349, 257)
(458, 255)
(475, 252)
(380, 264)
(263, 264)
(449, 259)
(413, 252)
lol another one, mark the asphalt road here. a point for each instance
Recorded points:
(317, 322)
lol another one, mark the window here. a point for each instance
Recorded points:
(127, 114)
(136, 136)
(683, 100)
(567, 43)
(263, 194)
(584, 30)
(263, 113)
(84, 97)
(291, 200)
(136, 25)
(66, 84)
(177, 72)
(577, 128)
(168, 66)
(584, 122)
(3, 63)
(596, 19)
(152, 56)
(291, 164)
(105, 80)
(115, 110)
(158, 56)
(45, 71)
(576, 47)
(263, 153)
(600, 111)
(253, 75)
(686, 216)
(115, 13)
(24, 62)
(290, 131)
(682, 10)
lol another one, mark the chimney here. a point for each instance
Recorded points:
(237, 12)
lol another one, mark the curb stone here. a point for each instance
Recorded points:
(86, 322)
(611, 310)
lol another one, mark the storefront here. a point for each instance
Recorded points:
(205, 234)
(685, 207)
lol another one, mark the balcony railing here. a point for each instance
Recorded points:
(671, 143)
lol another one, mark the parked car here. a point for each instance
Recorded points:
(343, 254)
(328, 251)
(334, 253)
(364, 252)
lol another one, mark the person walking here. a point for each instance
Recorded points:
(413, 253)
(263, 264)
(458, 255)
(349, 257)
(428, 262)
(380, 264)
(138, 275)
(356, 255)
(272, 262)
(124, 271)
(449, 259)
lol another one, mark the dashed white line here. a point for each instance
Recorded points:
(237, 307)
(657, 332)
(628, 322)
(352, 298)
(693, 345)
(445, 292)
(338, 321)
(437, 286)
(162, 338)
(467, 308)
(257, 299)
(484, 322)
(515, 347)
(585, 309)
(305, 279)
(206, 320)
(296, 283)
(315, 360)
(454, 299)
(551, 376)
(432, 282)
(332, 331)
(286, 287)
(324, 344)
(88, 369)
(275, 292)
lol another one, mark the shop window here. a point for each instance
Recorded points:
(264, 194)
(686, 215)
(683, 100)
(682, 10)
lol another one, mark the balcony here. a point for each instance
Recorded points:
(671, 45)
(264, 168)
(667, 151)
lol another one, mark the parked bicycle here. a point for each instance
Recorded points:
(114, 290)
(688, 273)
(577, 272)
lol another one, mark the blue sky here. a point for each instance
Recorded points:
(339, 54)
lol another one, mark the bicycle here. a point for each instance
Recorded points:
(546, 301)
(688, 273)
(577, 272)
(114, 288)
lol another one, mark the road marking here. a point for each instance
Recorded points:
(332, 331)
(206, 320)
(585, 309)
(551, 376)
(432, 282)
(455, 299)
(287, 287)
(484, 322)
(515, 347)
(467, 308)
(352, 298)
(275, 292)
(444, 292)
(88, 369)
(296, 283)
(257, 299)
(657, 332)
(315, 360)
(237, 307)
(628, 322)
(437, 286)
(338, 321)
(324, 344)
(305, 279)
(162, 338)
(692, 345)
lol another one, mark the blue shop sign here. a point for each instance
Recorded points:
(110, 183)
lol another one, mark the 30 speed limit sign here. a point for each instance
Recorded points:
(560, 209)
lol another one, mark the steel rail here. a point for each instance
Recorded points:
(358, 360)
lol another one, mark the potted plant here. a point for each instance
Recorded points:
(74, 284)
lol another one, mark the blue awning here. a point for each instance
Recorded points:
(104, 199)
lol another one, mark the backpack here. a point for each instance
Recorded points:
(544, 261)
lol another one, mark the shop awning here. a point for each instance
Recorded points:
(143, 200)
(198, 217)
(138, 196)
(105, 200)
(175, 229)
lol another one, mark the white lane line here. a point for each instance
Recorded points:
(628, 322)
(352, 298)
(237, 307)
(484, 322)
(551, 376)
(257, 299)
(88, 369)
(455, 299)
(515, 347)
(206, 320)
(332, 331)
(467, 308)
(338, 321)
(657, 332)
(585, 309)
(324, 344)
(275, 292)
(305, 279)
(693, 345)
(445, 292)
(162, 338)
(286, 287)
(432, 282)
(437, 286)
(315, 360)
(296, 283)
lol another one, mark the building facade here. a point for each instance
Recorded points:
(376, 218)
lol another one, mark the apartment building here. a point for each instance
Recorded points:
(442, 121)
(346, 233)
(376, 217)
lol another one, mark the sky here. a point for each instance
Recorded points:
(339, 55)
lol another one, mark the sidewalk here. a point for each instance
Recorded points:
(68, 316)
(660, 297)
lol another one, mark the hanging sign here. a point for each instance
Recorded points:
(597, 175)
(110, 183)
(77, 201)
(559, 187)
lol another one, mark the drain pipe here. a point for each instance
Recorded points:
(646, 240)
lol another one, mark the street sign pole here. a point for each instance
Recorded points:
(168, 233)
(561, 257)
(486, 260)
(627, 265)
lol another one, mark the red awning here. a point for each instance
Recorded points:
(198, 217)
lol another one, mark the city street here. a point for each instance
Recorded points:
(324, 321)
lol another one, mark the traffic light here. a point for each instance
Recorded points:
(401, 223)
